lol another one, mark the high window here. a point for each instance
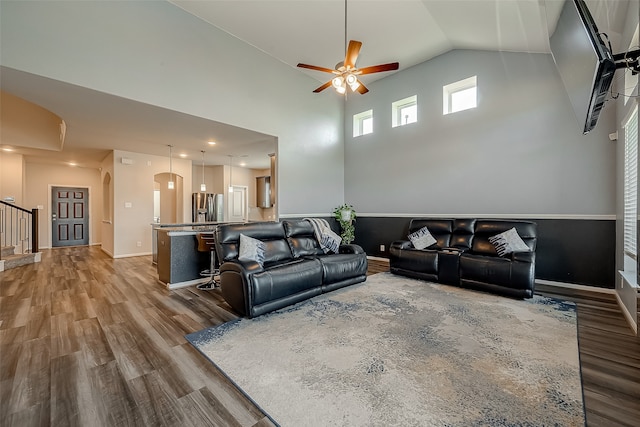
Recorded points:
(460, 95)
(630, 189)
(363, 123)
(404, 111)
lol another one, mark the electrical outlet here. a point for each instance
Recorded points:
(381, 248)
(139, 244)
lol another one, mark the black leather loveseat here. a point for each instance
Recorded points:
(295, 267)
(464, 256)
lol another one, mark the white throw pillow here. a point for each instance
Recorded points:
(422, 238)
(251, 249)
(509, 241)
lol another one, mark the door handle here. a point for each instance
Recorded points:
(54, 217)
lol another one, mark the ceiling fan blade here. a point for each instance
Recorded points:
(323, 87)
(314, 67)
(352, 53)
(362, 89)
(379, 68)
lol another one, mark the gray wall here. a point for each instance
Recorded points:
(519, 152)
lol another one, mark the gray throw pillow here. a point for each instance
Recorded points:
(251, 249)
(508, 242)
(422, 238)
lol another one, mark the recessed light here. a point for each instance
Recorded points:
(72, 164)
(183, 155)
(243, 164)
(212, 143)
(8, 150)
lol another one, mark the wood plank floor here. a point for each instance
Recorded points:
(86, 340)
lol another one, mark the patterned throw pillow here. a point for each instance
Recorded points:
(422, 238)
(509, 241)
(330, 240)
(251, 249)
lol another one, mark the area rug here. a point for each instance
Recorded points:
(394, 351)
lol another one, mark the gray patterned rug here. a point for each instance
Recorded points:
(393, 351)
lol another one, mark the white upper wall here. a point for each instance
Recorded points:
(520, 151)
(154, 52)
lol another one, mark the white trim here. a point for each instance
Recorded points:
(130, 255)
(611, 217)
(497, 216)
(375, 258)
(106, 251)
(307, 215)
(178, 285)
(576, 286)
(630, 320)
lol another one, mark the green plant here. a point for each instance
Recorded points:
(346, 215)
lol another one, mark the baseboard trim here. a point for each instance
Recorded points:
(576, 286)
(178, 285)
(630, 320)
(131, 255)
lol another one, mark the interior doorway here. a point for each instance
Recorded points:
(69, 216)
(167, 203)
(238, 204)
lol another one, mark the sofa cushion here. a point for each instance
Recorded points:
(301, 238)
(284, 279)
(486, 228)
(420, 261)
(488, 269)
(508, 241)
(422, 238)
(338, 267)
(440, 229)
(251, 249)
(271, 233)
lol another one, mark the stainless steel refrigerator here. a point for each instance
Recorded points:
(207, 207)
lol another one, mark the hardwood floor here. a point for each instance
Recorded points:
(87, 340)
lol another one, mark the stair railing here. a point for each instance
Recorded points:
(18, 228)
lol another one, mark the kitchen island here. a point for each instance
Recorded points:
(178, 260)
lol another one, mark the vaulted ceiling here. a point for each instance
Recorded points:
(313, 32)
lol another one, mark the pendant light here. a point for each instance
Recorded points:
(203, 186)
(171, 184)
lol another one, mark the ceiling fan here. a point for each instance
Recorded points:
(347, 73)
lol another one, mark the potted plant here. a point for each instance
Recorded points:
(346, 215)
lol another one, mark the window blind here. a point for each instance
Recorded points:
(631, 184)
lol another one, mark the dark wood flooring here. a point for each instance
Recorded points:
(86, 340)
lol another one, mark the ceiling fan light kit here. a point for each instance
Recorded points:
(346, 71)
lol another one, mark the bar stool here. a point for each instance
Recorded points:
(206, 243)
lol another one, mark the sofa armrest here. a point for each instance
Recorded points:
(453, 250)
(401, 244)
(235, 284)
(529, 257)
(351, 249)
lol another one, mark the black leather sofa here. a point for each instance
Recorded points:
(464, 256)
(295, 268)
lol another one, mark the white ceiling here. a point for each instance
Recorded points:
(293, 31)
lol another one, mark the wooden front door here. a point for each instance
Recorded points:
(69, 216)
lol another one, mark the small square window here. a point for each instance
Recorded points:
(459, 96)
(363, 123)
(404, 111)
